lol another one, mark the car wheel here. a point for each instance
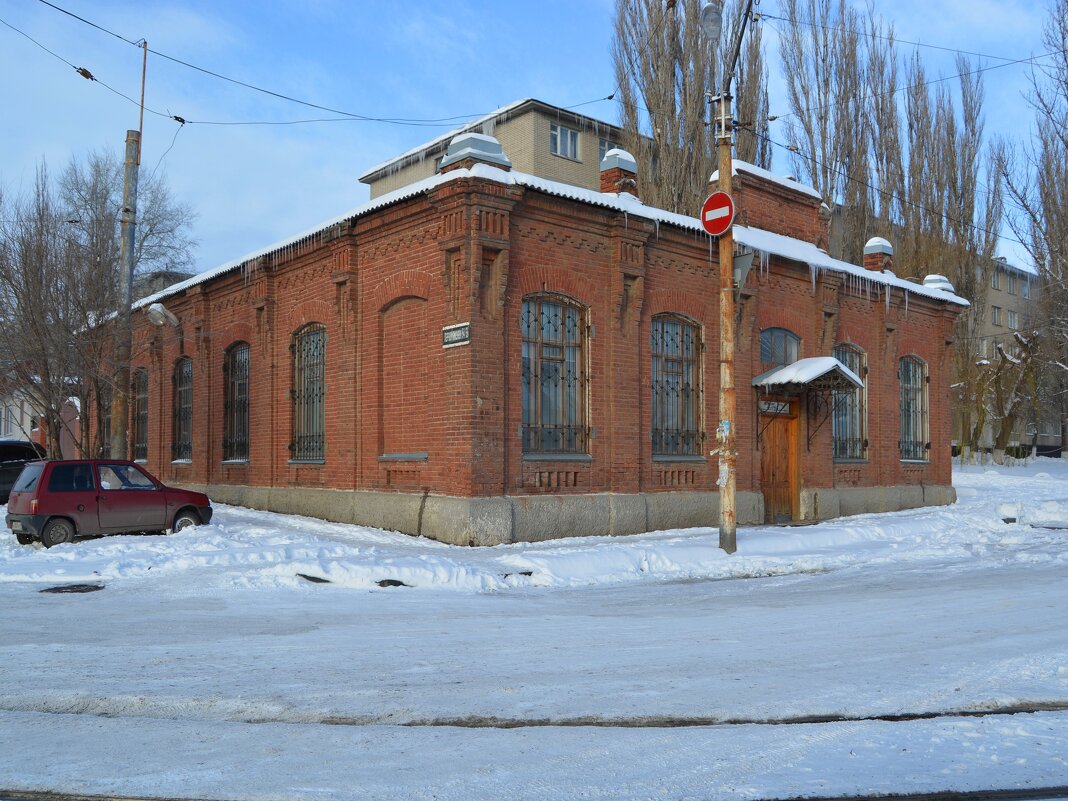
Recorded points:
(185, 519)
(24, 538)
(56, 532)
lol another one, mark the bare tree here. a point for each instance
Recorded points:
(1036, 179)
(828, 128)
(666, 72)
(59, 262)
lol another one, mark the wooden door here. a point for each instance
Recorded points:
(778, 466)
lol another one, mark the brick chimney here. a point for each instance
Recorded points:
(471, 148)
(619, 172)
(878, 255)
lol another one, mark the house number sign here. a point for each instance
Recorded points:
(453, 336)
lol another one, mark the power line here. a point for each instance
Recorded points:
(886, 38)
(889, 196)
(977, 71)
(85, 73)
(437, 122)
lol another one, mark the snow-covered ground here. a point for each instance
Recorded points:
(874, 654)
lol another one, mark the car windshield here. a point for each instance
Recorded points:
(27, 479)
(123, 476)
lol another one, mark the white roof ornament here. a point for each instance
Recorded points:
(878, 245)
(476, 146)
(617, 157)
(935, 281)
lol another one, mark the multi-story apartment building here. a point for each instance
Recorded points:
(540, 139)
(1011, 307)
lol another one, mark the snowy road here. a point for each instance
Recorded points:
(645, 667)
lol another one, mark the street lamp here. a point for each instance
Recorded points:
(712, 26)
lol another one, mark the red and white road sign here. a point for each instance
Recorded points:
(717, 213)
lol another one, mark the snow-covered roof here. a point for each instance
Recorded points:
(806, 371)
(764, 242)
(752, 169)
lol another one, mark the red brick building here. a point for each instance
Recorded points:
(487, 356)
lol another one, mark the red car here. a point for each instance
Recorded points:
(59, 500)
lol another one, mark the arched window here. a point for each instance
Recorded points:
(554, 375)
(235, 403)
(849, 423)
(309, 394)
(140, 414)
(912, 376)
(676, 349)
(779, 347)
(182, 439)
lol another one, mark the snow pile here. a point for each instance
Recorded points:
(251, 549)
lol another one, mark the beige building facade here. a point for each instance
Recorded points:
(540, 139)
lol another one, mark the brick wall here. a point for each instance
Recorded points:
(405, 414)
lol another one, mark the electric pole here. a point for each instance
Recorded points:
(711, 22)
(123, 328)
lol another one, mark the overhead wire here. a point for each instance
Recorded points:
(343, 114)
(890, 196)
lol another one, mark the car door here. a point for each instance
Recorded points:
(71, 492)
(129, 499)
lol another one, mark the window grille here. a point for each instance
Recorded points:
(235, 403)
(849, 422)
(140, 393)
(309, 394)
(676, 374)
(912, 376)
(182, 442)
(779, 347)
(554, 376)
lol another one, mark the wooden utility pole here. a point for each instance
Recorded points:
(711, 20)
(120, 406)
(123, 328)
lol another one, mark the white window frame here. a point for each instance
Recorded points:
(1013, 319)
(995, 315)
(563, 141)
(995, 279)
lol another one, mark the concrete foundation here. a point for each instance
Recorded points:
(532, 518)
(830, 502)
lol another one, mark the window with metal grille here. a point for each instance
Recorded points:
(554, 376)
(779, 347)
(912, 376)
(676, 373)
(235, 403)
(182, 440)
(849, 421)
(309, 394)
(140, 394)
(104, 409)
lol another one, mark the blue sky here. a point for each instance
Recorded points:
(252, 185)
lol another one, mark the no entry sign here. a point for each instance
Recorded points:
(717, 213)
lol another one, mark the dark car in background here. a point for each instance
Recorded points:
(55, 501)
(14, 454)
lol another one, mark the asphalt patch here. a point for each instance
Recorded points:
(67, 588)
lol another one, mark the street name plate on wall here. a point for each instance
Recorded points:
(453, 336)
(774, 407)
